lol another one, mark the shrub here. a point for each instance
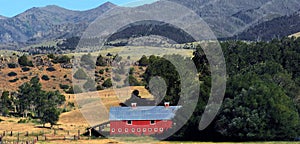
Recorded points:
(22, 121)
(101, 71)
(12, 65)
(64, 86)
(25, 69)
(45, 78)
(14, 80)
(24, 77)
(99, 87)
(11, 74)
(107, 83)
(51, 69)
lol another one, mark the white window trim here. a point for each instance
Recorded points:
(152, 123)
(155, 129)
(161, 129)
(138, 130)
(149, 129)
(119, 130)
(132, 130)
(144, 129)
(126, 129)
(113, 130)
(128, 123)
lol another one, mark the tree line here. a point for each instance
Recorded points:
(30, 101)
(262, 96)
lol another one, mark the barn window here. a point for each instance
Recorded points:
(138, 130)
(152, 122)
(112, 130)
(155, 129)
(129, 122)
(150, 129)
(161, 129)
(132, 130)
(126, 129)
(119, 130)
(144, 129)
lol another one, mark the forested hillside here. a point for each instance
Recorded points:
(262, 100)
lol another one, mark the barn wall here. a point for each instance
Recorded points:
(122, 128)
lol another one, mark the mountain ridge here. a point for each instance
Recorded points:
(226, 18)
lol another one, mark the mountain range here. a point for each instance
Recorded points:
(227, 18)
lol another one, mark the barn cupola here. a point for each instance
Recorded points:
(133, 105)
(167, 104)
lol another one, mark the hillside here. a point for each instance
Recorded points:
(225, 18)
(45, 23)
(276, 28)
(229, 17)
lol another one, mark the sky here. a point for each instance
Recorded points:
(10, 8)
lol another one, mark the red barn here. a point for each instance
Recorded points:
(143, 120)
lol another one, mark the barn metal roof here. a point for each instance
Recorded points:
(142, 113)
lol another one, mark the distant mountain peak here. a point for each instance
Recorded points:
(2, 17)
(108, 3)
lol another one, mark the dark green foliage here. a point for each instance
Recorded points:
(259, 110)
(143, 61)
(131, 71)
(45, 78)
(107, 83)
(101, 61)
(12, 65)
(12, 74)
(14, 80)
(61, 59)
(51, 69)
(51, 56)
(23, 61)
(51, 115)
(151, 27)
(165, 69)
(276, 28)
(80, 74)
(42, 104)
(64, 86)
(101, 71)
(99, 87)
(262, 95)
(25, 69)
(69, 43)
(132, 81)
(5, 103)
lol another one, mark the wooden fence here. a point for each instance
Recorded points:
(11, 137)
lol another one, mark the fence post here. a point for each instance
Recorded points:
(11, 133)
(18, 137)
(3, 133)
(78, 134)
